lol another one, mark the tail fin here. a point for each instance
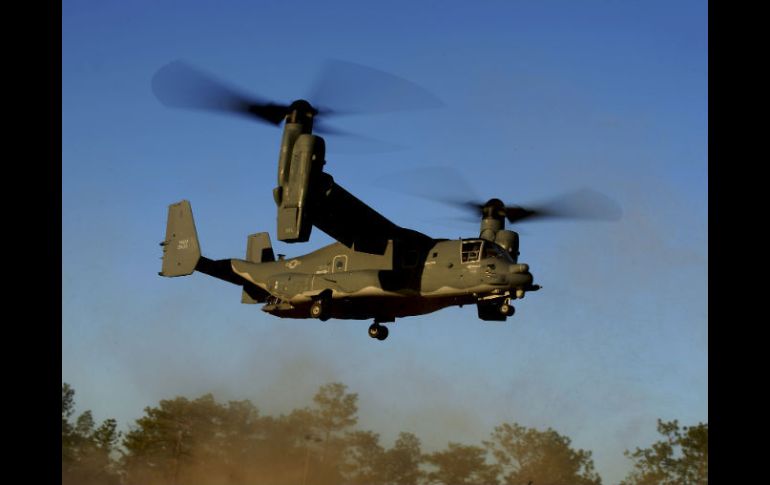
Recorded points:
(258, 250)
(181, 250)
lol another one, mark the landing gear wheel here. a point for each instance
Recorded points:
(378, 331)
(506, 309)
(318, 310)
(511, 311)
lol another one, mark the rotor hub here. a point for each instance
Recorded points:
(494, 208)
(300, 111)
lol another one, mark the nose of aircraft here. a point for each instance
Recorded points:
(518, 268)
(519, 276)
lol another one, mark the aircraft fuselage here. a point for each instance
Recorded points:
(399, 283)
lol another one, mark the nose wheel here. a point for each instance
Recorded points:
(507, 309)
(380, 332)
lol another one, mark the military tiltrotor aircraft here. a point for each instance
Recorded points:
(376, 270)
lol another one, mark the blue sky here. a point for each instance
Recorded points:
(540, 98)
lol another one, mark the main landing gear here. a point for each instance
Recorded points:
(320, 309)
(380, 332)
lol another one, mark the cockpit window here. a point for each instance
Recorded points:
(475, 250)
(471, 251)
(502, 253)
(490, 251)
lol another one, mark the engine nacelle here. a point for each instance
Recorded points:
(509, 240)
(296, 175)
(490, 227)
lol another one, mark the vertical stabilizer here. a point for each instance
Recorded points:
(258, 250)
(181, 250)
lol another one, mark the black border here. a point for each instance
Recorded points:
(32, 239)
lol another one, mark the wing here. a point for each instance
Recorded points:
(347, 219)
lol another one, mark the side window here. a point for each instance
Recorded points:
(471, 251)
(340, 263)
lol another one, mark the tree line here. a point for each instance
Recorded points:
(204, 442)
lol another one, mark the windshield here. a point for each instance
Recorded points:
(475, 250)
(494, 250)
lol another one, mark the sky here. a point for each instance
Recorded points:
(540, 98)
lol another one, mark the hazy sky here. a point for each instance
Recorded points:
(540, 98)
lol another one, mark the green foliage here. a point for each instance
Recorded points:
(401, 464)
(333, 414)
(461, 465)
(335, 410)
(363, 459)
(174, 434)
(542, 457)
(67, 402)
(106, 436)
(68, 438)
(204, 442)
(86, 450)
(366, 462)
(84, 425)
(679, 459)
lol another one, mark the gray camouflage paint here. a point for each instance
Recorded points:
(359, 285)
(376, 269)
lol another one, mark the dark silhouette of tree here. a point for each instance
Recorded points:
(461, 465)
(679, 459)
(363, 459)
(68, 438)
(401, 464)
(292, 449)
(173, 439)
(237, 438)
(335, 410)
(541, 457)
(202, 442)
(366, 462)
(86, 449)
(334, 413)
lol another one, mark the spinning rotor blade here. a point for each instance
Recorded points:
(180, 85)
(353, 89)
(584, 204)
(349, 88)
(326, 129)
(446, 185)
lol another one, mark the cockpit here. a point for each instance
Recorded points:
(474, 250)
